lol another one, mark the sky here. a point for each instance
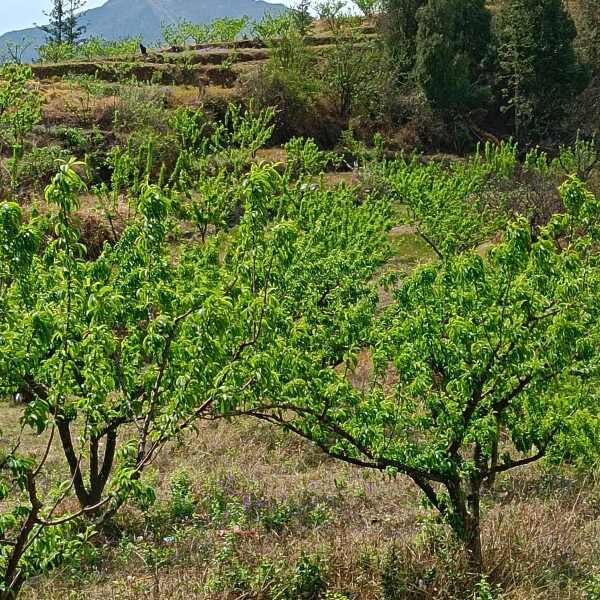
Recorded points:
(20, 14)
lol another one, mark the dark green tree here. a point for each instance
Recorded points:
(453, 39)
(301, 16)
(539, 71)
(400, 27)
(64, 22)
(586, 14)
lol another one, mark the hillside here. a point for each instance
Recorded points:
(126, 18)
(278, 325)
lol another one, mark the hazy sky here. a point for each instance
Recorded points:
(19, 14)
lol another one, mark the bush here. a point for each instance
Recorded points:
(272, 27)
(393, 576)
(331, 11)
(290, 83)
(53, 52)
(358, 80)
(538, 82)
(227, 29)
(587, 18)
(400, 28)
(37, 166)
(308, 579)
(175, 33)
(140, 108)
(592, 587)
(305, 158)
(301, 17)
(98, 47)
(452, 41)
(197, 32)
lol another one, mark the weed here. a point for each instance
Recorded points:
(182, 502)
(393, 576)
(308, 579)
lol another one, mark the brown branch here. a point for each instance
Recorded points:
(430, 243)
(373, 461)
(512, 464)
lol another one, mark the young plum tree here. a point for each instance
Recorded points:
(471, 346)
(20, 111)
(120, 354)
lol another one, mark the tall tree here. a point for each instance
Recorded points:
(452, 41)
(539, 71)
(587, 18)
(63, 25)
(400, 25)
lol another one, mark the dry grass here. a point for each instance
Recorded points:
(540, 527)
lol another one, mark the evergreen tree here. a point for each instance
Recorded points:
(400, 25)
(587, 19)
(539, 71)
(63, 25)
(73, 30)
(453, 39)
(301, 16)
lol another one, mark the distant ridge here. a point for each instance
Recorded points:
(124, 18)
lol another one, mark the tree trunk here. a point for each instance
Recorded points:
(64, 431)
(467, 528)
(99, 476)
(472, 541)
(491, 479)
(13, 578)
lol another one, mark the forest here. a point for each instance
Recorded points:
(304, 307)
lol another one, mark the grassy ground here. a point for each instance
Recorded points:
(260, 509)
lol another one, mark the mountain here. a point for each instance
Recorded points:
(124, 18)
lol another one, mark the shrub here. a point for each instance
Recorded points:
(175, 33)
(587, 18)
(592, 587)
(301, 17)
(400, 28)
(20, 112)
(357, 80)
(191, 128)
(197, 32)
(140, 108)
(38, 166)
(54, 52)
(308, 579)
(272, 27)
(303, 157)
(393, 576)
(98, 47)
(331, 12)
(227, 29)
(289, 82)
